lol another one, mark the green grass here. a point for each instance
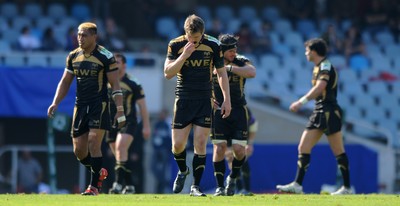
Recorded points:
(186, 200)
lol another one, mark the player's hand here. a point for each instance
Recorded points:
(216, 104)
(249, 150)
(226, 109)
(188, 49)
(119, 120)
(146, 132)
(51, 110)
(295, 106)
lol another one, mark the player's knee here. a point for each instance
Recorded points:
(219, 150)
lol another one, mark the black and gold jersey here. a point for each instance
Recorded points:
(194, 81)
(90, 72)
(132, 91)
(236, 84)
(326, 72)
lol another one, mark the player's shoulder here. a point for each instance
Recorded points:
(325, 65)
(177, 40)
(74, 52)
(211, 39)
(104, 52)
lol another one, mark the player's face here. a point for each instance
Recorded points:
(85, 38)
(230, 54)
(194, 38)
(308, 54)
(121, 66)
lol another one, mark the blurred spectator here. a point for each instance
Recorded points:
(353, 43)
(115, 38)
(216, 28)
(161, 142)
(71, 39)
(376, 17)
(29, 173)
(262, 41)
(335, 43)
(246, 39)
(27, 41)
(49, 42)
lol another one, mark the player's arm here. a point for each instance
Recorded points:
(62, 90)
(224, 84)
(117, 96)
(313, 93)
(145, 117)
(246, 71)
(173, 66)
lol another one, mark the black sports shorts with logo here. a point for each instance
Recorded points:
(93, 116)
(129, 128)
(234, 127)
(192, 111)
(328, 119)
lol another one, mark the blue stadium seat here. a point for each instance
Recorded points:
(166, 27)
(270, 13)
(282, 26)
(204, 12)
(282, 50)
(225, 13)
(56, 11)
(248, 14)
(270, 62)
(306, 27)
(80, 11)
(381, 63)
(19, 22)
(4, 46)
(377, 88)
(392, 50)
(11, 35)
(44, 22)
(9, 10)
(352, 88)
(233, 26)
(347, 76)
(359, 63)
(293, 39)
(33, 10)
(384, 38)
(338, 61)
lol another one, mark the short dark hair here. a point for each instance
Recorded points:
(119, 55)
(228, 41)
(318, 45)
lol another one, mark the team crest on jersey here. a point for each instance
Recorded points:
(207, 54)
(326, 66)
(106, 53)
(94, 66)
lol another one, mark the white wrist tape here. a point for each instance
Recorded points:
(121, 119)
(303, 100)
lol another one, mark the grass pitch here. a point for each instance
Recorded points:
(186, 200)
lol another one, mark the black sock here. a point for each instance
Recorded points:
(219, 172)
(199, 164)
(343, 164)
(96, 167)
(128, 172)
(87, 162)
(236, 166)
(120, 172)
(303, 163)
(181, 160)
(246, 175)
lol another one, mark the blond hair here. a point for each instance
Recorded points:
(193, 24)
(91, 27)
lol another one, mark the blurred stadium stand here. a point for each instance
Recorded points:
(369, 81)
